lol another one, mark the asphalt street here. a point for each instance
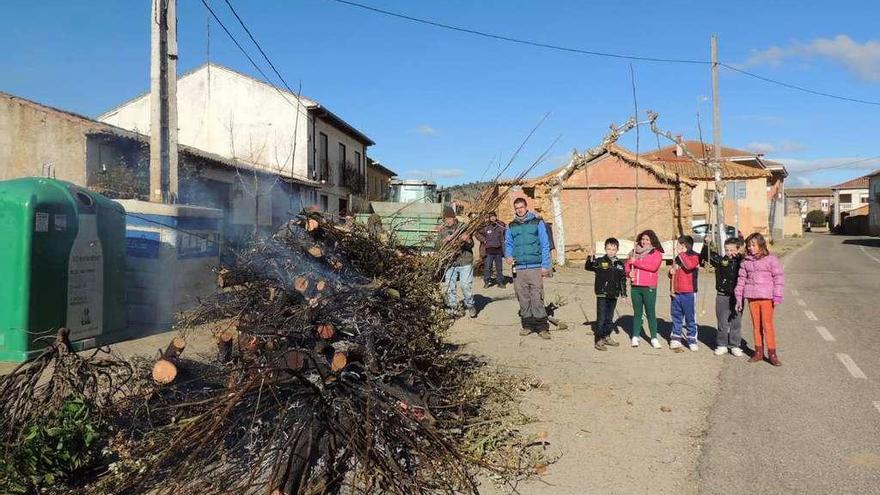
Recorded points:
(813, 425)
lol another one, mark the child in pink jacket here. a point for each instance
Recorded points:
(641, 267)
(761, 283)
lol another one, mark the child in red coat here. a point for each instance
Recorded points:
(684, 273)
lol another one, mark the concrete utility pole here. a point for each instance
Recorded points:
(163, 102)
(716, 148)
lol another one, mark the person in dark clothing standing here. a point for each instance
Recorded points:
(461, 271)
(610, 284)
(729, 336)
(491, 237)
(527, 247)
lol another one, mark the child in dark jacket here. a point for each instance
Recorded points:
(610, 284)
(729, 336)
(684, 272)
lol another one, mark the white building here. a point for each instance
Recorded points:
(320, 156)
(848, 196)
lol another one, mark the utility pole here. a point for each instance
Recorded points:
(163, 102)
(716, 147)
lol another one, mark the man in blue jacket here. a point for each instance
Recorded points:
(527, 247)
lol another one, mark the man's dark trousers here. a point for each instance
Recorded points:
(493, 260)
(604, 316)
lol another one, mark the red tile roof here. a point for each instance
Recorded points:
(857, 183)
(808, 192)
(700, 150)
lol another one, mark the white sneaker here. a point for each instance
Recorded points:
(655, 343)
(674, 344)
(693, 347)
(736, 351)
(720, 350)
(635, 342)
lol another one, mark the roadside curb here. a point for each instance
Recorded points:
(788, 256)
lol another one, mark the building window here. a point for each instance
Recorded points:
(358, 161)
(863, 199)
(846, 198)
(825, 204)
(323, 162)
(736, 189)
(325, 203)
(342, 159)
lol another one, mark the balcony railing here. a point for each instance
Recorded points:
(846, 206)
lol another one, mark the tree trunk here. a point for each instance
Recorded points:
(165, 368)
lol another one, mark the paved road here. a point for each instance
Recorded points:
(812, 426)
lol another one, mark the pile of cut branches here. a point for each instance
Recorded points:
(331, 377)
(53, 411)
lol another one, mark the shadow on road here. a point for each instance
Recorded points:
(705, 333)
(875, 242)
(481, 301)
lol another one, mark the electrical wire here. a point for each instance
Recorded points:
(248, 56)
(260, 48)
(580, 51)
(798, 88)
(839, 165)
(519, 40)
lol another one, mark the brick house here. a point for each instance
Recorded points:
(753, 199)
(802, 200)
(614, 194)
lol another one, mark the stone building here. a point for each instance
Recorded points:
(802, 200)
(39, 140)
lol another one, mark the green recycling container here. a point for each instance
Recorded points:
(62, 265)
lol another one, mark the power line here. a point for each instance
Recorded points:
(600, 54)
(260, 48)
(519, 40)
(840, 165)
(248, 56)
(798, 88)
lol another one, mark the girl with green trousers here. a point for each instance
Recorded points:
(642, 267)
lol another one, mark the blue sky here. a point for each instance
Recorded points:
(449, 104)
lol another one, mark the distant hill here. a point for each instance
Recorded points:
(466, 194)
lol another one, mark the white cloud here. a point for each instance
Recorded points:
(425, 130)
(863, 59)
(784, 146)
(435, 173)
(789, 146)
(759, 147)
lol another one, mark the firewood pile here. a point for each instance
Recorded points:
(331, 376)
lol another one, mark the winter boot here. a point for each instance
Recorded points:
(758, 355)
(774, 359)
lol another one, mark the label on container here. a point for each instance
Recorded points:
(41, 222)
(85, 282)
(60, 223)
